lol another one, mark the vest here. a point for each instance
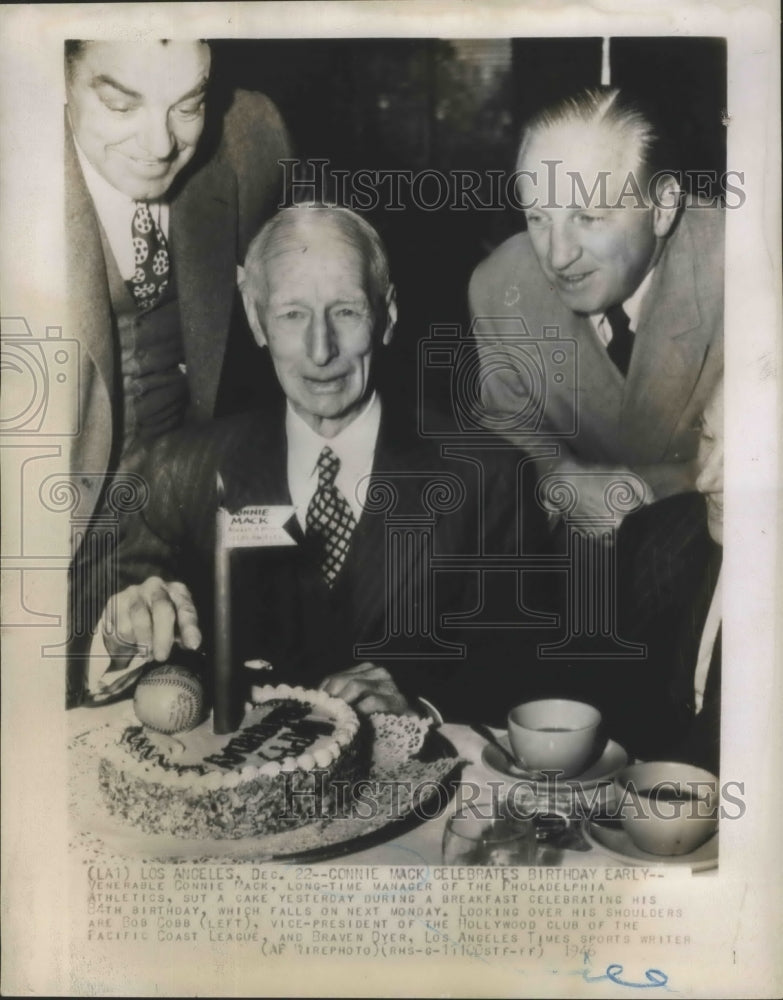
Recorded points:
(151, 364)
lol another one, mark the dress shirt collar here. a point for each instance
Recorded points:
(115, 212)
(104, 196)
(632, 307)
(354, 446)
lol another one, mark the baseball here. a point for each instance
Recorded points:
(169, 699)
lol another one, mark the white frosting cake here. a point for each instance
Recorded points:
(279, 770)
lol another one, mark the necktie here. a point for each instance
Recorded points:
(150, 257)
(330, 521)
(620, 346)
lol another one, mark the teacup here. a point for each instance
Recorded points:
(667, 808)
(556, 734)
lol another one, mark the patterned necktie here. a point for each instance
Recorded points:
(620, 346)
(150, 257)
(330, 521)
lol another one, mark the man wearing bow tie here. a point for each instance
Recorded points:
(628, 275)
(159, 212)
(319, 297)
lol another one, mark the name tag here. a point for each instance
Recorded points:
(254, 527)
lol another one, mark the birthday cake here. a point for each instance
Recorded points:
(293, 759)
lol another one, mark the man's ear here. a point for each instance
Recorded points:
(667, 199)
(251, 310)
(391, 315)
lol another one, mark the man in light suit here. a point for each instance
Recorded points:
(163, 194)
(619, 285)
(354, 605)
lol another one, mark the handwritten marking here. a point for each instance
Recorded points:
(613, 971)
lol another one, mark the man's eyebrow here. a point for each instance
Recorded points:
(103, 80)
(285, 298)
(277, 302)
(196, 91)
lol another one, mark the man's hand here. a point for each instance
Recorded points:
(596, 484)
(369, 688)
(152, 616)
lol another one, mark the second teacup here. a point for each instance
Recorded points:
(556, 734)
(667, 807)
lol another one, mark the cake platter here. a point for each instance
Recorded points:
(412, 776)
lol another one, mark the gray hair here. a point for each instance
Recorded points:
(299, 218)
(617, 110)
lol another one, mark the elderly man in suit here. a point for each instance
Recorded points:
(619, 285)
(355, 604)
(160, 211)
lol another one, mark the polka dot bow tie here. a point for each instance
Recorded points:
(330, 522)
(150, 257)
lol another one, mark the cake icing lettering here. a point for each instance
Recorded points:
(286, 730)
(138, 741)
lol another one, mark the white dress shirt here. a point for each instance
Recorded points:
(708, 636)
(115, 211)
(354, 446)
(632, 307)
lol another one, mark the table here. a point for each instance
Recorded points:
(422, 844)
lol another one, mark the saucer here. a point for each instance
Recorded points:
(614, 841)
(611, 760)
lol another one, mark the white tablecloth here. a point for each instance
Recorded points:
(423, 843)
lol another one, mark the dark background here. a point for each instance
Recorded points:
(384, 104)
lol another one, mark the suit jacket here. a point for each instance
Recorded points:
(217, 206)
(649, 420)
(281, 609)
(667, 570)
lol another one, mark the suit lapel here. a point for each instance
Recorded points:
(591, 373)
(592, 376)
(374, 590)
(670, 347)
(204, 240)
(255, 472)
(595, 370)
(89, 305)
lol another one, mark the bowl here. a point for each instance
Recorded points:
(667, 808)
(555, 734)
